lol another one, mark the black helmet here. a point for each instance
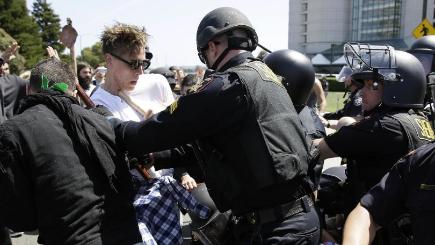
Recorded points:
(426, 42)
(297, 72)
(223, 20)
(401, 73)
(168, 74)
(424, 49)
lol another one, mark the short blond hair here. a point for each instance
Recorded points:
(121, 38)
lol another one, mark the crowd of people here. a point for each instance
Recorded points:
(239, 145)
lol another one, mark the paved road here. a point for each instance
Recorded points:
(31, 238)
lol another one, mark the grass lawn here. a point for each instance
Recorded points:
(334, 101)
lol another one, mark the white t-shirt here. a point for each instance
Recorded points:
(152, 92)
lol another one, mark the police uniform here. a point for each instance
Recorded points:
(352, 107)
(315, 130)
(254, 148)
(373, 145)
(408, 187)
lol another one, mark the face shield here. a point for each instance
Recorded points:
(371, 62)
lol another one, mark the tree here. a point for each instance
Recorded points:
(49, 24)
(16, 21)
(92, 55)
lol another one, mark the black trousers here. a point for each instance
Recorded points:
(4, 236)
(301, 228)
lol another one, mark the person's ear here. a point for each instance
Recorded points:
(212, 48)
(108, 59)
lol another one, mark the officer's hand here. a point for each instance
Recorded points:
(102, 110)
(115, 122)
(188, 182)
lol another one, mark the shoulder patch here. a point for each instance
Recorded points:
(425, 130)
(173, 106)
(265, 72)
(357, 101)
(201, 85)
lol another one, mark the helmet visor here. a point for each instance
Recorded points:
(369, 57)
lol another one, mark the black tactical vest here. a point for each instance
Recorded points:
(269, 149)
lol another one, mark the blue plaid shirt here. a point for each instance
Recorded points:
(157, 211)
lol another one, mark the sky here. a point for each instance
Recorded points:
(172, 24)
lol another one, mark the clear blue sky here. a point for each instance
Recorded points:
(172, 24)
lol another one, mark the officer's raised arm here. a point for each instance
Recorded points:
(215, 106)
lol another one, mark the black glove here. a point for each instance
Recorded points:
(102, 110)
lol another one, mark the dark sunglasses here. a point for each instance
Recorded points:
(134, 64)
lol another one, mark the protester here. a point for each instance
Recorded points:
(62, 172)
(131, 95)
(84, 75)
(317, 99)
(12, 87)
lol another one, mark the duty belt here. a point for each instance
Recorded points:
(279, 212)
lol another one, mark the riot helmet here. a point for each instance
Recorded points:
(401, 74)
(345, 77)
(424, 50)
(297, 73)
(344, 74)
(223, 21)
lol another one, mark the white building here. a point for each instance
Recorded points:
(318, 25)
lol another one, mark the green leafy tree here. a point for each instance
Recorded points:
(92, 55)
(49, 24)
(16, 21)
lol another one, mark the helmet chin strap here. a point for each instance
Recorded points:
(234, 43)
(219, 59)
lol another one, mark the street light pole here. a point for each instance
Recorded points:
(424, 9)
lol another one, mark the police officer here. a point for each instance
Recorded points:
(352, 104)
(424, 49)
(393, 123)
(248, 133)
(407, 187)
(298, 76)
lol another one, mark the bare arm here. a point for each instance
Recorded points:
(10, 52)
(321, 99)
(324, 150)
(52, 52)
(359, 228)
